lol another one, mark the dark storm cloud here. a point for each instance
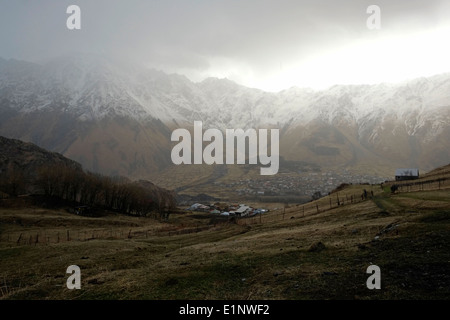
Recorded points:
(184, 35)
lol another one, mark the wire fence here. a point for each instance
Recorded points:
(51, 236)
(48, 237)
(302, 210)
(426, 185)
(45, 237)
(335, 200)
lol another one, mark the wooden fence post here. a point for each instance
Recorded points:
(20, 237)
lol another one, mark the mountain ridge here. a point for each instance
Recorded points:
(78, 106)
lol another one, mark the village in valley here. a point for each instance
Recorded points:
(303, 185)
(240, 210)
(282, 188)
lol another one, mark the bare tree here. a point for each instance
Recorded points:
(47, 180)
(13, 181)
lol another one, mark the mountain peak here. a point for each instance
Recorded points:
(219, 82)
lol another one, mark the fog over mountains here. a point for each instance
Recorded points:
(116, 117)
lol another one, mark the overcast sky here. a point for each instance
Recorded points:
(271, 45)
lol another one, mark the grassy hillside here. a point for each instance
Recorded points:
(300, 252)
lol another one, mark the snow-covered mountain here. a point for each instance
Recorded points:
(93, 88)
(94, 109)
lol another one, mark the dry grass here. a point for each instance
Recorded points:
(247, 260)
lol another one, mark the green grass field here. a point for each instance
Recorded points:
(197, 256)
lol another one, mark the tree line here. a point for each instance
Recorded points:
(91, 189)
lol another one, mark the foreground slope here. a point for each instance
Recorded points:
(302, 252)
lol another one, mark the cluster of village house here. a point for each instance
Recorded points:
(240, 210)
(308, 184)
(305, 184)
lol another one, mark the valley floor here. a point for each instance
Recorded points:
(297, 255)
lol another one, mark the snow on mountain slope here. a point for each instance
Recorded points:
(96, 87)
(389, 121)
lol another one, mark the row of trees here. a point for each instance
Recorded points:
(95, 190)
(12, 181)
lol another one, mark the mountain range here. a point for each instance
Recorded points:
(116, 117)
